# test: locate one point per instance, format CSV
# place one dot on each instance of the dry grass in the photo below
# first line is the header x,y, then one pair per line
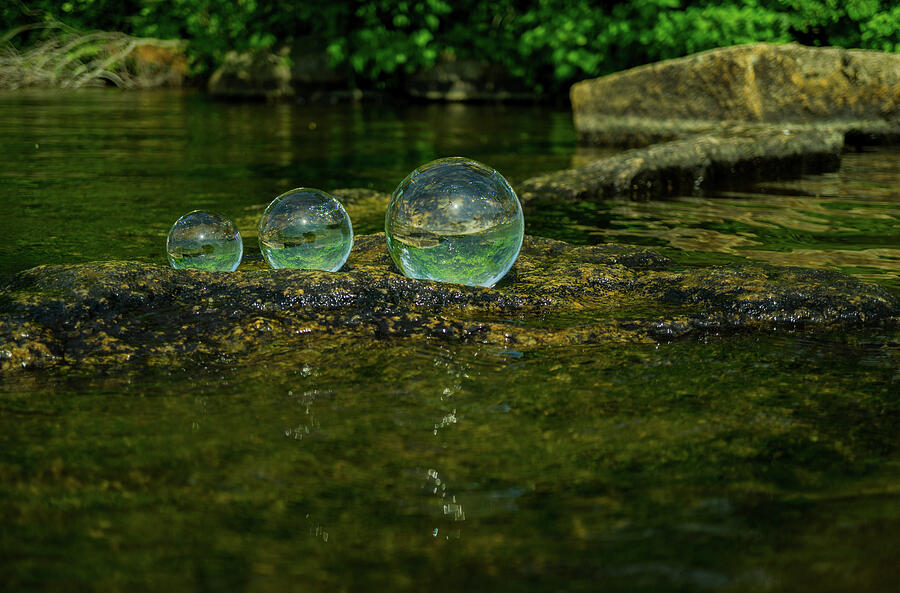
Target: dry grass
x,y
68,58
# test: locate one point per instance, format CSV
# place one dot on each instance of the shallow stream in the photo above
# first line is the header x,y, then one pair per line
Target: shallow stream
x,y
760,462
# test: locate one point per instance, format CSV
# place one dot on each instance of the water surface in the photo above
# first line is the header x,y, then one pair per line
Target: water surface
x,y
764,462
101,174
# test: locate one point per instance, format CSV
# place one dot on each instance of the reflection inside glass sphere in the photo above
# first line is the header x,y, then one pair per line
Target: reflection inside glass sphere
x,y
204,241
306,228
455,220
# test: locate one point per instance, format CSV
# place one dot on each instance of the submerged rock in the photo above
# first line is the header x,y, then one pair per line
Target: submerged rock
x,y
735,154
255,74
113,313
857,90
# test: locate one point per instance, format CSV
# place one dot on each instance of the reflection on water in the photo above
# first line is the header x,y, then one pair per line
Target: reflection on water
x,y
102,175
751,463
848,220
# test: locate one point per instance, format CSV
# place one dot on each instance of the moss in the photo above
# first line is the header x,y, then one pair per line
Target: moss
x,y
112,313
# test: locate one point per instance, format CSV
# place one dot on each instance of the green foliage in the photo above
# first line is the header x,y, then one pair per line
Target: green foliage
x,y
869,24
213,28
882,31
108,15
545,43
387,37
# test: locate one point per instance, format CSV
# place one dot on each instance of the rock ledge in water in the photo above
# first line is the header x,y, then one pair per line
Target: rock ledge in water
x,y
114,313
727,117
780,85
735,154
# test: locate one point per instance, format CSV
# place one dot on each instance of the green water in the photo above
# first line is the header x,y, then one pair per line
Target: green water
x,y
762,463
94,175
765,462
848,220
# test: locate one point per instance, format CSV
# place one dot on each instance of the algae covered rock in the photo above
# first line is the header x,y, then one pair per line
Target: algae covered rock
x,y
763,83
115,313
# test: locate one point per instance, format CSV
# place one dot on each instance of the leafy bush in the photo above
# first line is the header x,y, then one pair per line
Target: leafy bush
x,y
545,43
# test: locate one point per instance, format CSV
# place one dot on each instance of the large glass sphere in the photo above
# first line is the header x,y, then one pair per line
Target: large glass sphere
x,y
454,220
204,241
306,228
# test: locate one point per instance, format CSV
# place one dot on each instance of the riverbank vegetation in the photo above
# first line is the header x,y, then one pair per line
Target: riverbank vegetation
x,y
70,58
545,44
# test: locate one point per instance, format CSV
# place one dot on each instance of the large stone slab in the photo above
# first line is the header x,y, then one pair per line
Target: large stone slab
x,y
726,117
122,313
729,155
765,83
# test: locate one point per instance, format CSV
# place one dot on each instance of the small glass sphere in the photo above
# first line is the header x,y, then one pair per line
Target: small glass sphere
x,y
306,228
454,220
204,241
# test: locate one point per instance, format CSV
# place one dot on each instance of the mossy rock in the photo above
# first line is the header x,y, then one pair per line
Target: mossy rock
x,y
781,85
116,313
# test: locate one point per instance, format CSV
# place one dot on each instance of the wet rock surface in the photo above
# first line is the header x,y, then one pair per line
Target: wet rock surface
x,y
727,117
121,313
731,155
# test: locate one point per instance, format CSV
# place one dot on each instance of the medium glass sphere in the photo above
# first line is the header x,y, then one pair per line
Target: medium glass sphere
x,y
454,220
306,228
204,241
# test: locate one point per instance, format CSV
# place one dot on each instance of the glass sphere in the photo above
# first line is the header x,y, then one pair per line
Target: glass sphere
x,y
204,241
454,220
306,228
